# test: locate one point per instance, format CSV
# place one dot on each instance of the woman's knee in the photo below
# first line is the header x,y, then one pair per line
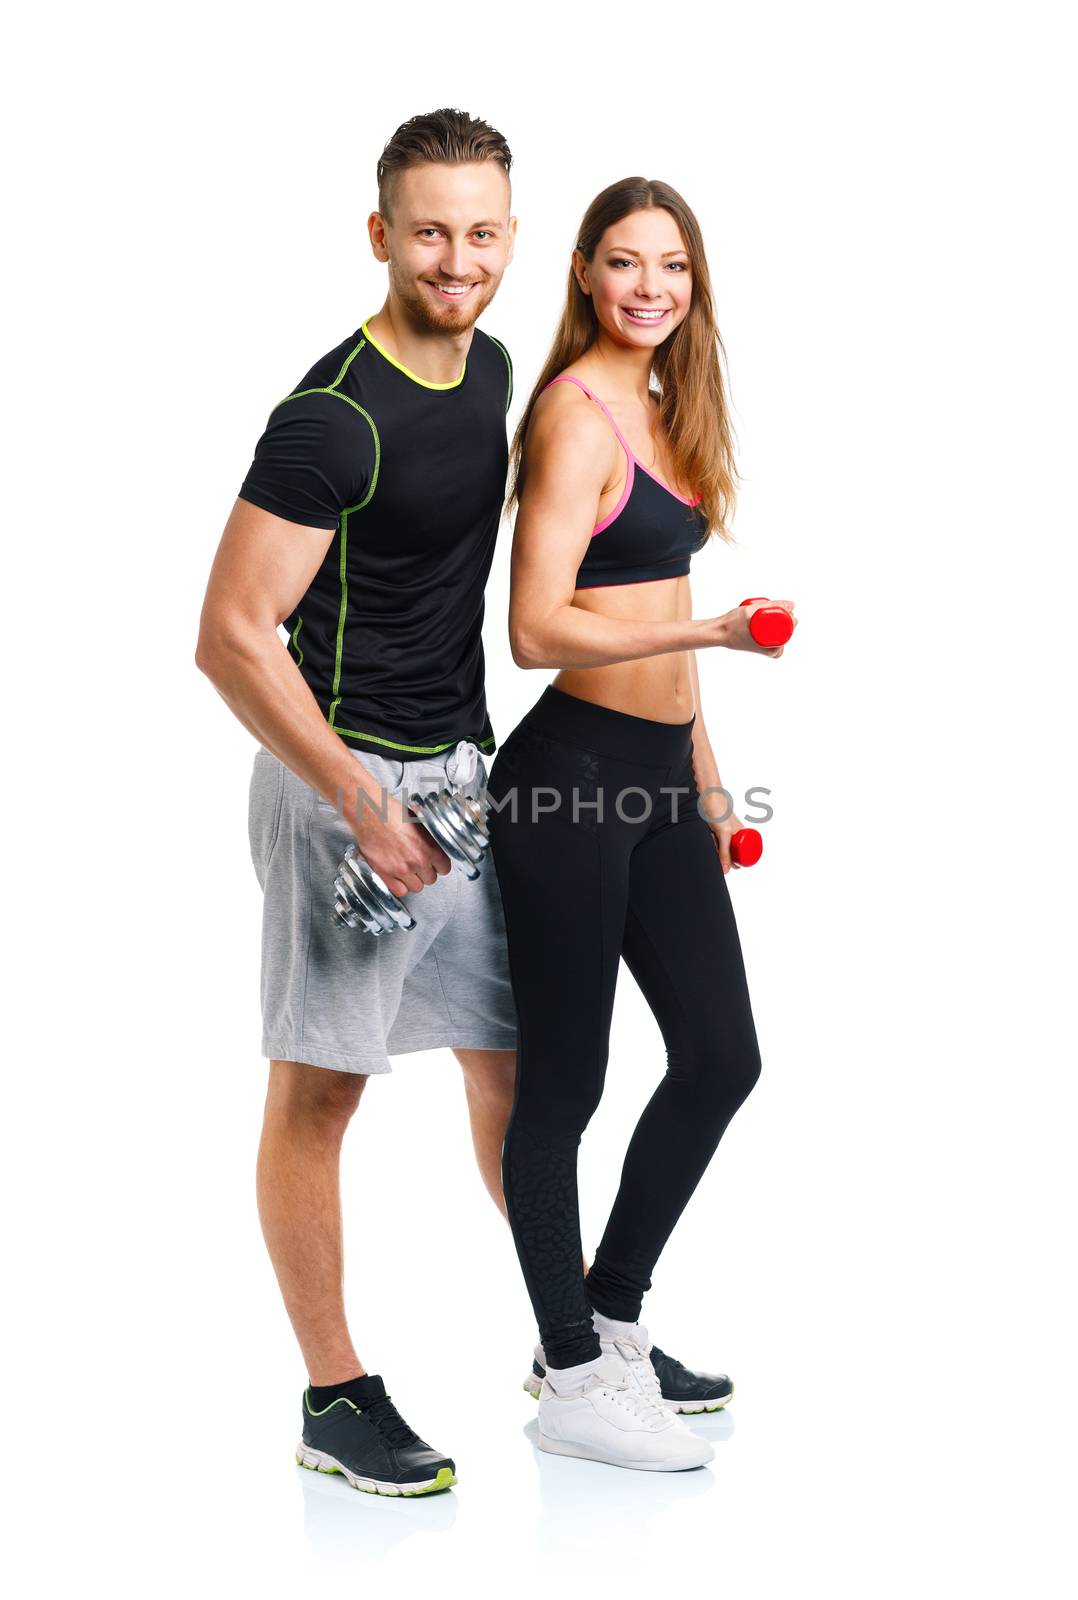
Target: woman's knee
x,y
719,1075
558,1103
747,1072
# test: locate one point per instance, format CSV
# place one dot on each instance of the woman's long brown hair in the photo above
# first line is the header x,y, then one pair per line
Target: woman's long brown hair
x,y
694,410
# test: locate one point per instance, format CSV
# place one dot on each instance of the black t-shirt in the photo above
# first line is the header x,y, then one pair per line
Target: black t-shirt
x,y
411,475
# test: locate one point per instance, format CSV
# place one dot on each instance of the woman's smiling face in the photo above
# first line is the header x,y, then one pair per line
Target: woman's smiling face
x,y
639,278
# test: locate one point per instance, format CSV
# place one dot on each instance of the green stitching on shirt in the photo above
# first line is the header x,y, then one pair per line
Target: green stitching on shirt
x,y
344,560
295,642
509,368
330,388
342,613
419,749
336,393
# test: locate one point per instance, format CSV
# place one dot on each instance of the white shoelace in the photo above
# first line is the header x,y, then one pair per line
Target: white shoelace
x,y
640,1368
632,1397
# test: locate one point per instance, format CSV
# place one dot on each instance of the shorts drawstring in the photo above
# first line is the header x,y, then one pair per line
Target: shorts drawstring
x,y
464,770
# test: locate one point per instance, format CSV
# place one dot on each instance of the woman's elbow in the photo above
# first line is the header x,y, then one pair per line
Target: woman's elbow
x,y
526,650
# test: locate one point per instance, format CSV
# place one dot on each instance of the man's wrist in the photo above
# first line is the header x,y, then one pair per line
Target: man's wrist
x,y
357,795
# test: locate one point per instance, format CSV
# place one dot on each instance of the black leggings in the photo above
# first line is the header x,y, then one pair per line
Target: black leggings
x,y
638,878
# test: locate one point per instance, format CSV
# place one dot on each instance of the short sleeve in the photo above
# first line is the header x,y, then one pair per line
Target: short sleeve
x,y
315,459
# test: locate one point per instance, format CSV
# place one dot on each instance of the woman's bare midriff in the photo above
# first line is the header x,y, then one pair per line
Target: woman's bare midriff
x,y
656,687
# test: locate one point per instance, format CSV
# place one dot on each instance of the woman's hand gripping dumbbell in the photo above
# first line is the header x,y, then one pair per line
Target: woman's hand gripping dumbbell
x,y
761,625
737,845
771,622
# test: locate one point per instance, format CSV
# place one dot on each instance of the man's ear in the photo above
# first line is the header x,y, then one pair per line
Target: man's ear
x,y
376,228
512,239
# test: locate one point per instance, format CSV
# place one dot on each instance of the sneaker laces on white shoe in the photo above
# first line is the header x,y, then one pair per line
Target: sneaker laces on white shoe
x,y
631,1397
638,1361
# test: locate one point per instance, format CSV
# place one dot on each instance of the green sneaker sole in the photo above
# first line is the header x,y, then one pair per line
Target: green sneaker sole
x,y
317,1461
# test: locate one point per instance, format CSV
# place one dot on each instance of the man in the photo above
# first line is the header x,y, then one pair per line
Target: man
x,y
367,525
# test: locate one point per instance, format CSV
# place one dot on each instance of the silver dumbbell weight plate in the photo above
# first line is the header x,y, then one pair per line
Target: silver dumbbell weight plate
x,y
453,819
363,900
456,822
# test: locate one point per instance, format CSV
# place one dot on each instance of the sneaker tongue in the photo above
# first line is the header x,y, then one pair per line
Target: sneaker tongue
x,y
366,1390
609,1370
627,1348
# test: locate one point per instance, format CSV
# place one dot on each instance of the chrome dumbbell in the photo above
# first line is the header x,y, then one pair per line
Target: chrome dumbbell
x,y
453,819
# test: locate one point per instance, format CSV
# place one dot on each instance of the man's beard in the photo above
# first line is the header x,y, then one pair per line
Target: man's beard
x,y
454,319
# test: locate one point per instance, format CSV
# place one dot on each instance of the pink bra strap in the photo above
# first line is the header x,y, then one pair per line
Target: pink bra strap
x,y
630,464
567,377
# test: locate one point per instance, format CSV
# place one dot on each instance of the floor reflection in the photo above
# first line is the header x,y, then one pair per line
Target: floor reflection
x,y
582,1507
342,1525
588,1508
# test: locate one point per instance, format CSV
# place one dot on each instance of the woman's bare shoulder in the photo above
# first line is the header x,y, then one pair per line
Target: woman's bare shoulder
x,y
565,421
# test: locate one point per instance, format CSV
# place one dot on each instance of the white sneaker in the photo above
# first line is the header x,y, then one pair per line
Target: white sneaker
x,y
611,1418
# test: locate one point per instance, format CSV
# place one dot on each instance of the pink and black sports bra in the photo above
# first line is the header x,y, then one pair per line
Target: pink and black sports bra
x,y
653,535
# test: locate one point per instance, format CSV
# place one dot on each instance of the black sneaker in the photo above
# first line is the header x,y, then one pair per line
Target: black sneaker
x,y
685,1390
682,1389
374,1448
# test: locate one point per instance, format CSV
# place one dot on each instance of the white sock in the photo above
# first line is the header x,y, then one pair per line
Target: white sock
x,y
609,1328
570,1380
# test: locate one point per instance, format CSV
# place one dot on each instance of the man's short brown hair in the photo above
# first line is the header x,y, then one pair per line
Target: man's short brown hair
x,y
447,135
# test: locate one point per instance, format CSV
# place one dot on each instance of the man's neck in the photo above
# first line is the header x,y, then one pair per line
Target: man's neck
x,y
434,357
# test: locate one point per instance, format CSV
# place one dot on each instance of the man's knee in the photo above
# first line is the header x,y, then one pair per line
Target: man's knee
x,y
316,1096
488,1072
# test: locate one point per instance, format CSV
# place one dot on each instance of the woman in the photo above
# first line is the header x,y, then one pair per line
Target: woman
x,y
600,849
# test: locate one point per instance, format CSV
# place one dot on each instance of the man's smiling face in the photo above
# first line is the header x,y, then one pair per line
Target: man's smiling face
x,y
447,240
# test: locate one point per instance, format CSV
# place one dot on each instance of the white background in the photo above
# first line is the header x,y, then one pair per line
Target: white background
x,y
879,1253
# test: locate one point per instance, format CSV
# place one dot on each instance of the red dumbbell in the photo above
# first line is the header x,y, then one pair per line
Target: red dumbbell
x,y
770,626
746,847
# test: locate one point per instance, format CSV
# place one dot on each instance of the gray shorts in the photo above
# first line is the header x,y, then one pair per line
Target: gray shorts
x,y
347,999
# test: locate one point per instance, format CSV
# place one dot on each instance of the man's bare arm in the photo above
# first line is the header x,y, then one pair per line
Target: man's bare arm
x,y
263,567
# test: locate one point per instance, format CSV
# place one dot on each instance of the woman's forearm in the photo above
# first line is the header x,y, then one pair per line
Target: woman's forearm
x,y
573,637
704,765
